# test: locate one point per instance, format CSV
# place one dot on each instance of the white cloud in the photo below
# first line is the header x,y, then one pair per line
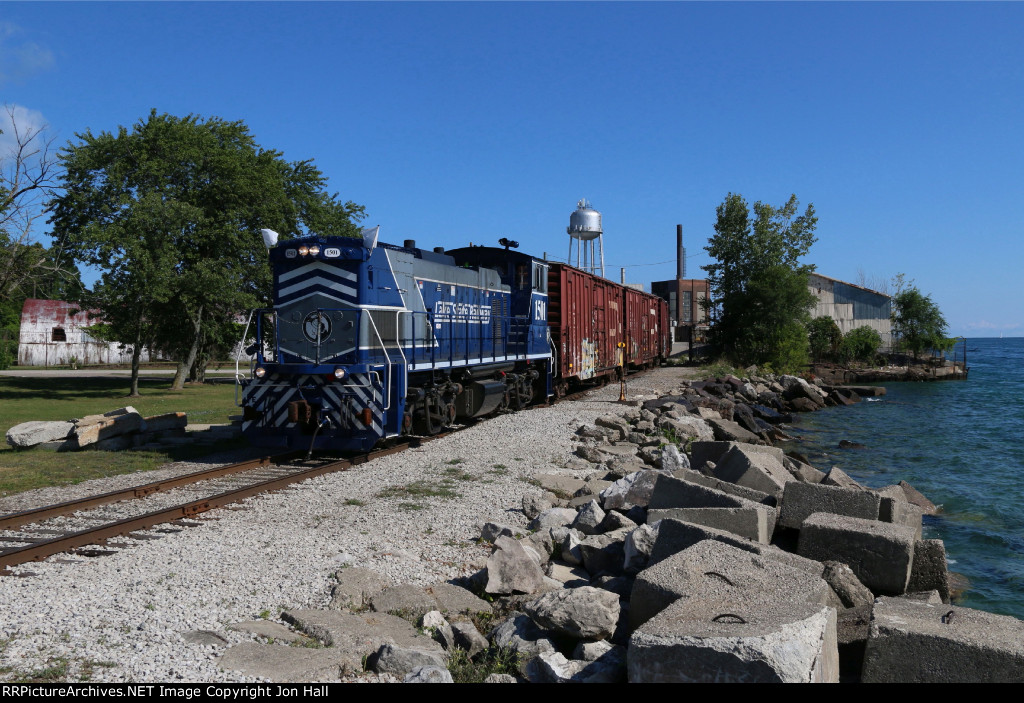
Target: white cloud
x,y
21,59
27,120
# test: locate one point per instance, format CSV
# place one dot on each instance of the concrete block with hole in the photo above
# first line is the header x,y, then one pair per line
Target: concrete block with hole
x,y
916,641
879,553
715,570
711,640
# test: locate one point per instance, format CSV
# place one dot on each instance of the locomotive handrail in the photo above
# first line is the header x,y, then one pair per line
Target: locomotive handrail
x,y
238,356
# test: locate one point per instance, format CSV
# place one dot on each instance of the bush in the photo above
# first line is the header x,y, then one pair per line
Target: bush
x,y
824,337
8,353
860,344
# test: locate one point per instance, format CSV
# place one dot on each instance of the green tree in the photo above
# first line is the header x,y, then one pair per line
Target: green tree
x,y
171,210
860,344
824,337
759,295
918,323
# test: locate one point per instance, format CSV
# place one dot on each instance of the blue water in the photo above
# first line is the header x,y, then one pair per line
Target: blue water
x,y
959,443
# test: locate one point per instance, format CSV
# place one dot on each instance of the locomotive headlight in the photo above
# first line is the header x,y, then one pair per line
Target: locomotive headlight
x,y
260,372
339,373
303,250
314,249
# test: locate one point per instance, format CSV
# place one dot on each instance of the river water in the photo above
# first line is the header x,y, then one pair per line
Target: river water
x,y
959,443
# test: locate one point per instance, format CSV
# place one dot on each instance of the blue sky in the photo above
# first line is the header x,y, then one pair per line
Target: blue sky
x,y
459,122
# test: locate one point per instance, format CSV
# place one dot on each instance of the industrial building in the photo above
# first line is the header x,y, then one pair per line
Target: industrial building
x,y
852,306
55,333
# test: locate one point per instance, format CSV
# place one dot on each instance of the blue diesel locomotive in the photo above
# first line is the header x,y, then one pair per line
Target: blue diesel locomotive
x,y
368,340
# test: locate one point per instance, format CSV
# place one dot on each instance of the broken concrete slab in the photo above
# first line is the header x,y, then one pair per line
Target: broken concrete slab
x,y
286,664
915,641
355,587
92,429
880,553
801,500
353,637
408,601
29,434
268,629
709,640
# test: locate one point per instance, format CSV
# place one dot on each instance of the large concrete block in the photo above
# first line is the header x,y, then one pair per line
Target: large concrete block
x,y
726,487
800,500
719,571
915,641
750,522
703,452
671,492
879,553
675,536
760,470
711,640
899,511
929,570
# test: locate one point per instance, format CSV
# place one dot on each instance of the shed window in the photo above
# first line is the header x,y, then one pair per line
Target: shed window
x,y
58,335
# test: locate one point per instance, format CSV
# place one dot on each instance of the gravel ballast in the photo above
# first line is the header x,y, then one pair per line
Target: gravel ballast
x,y
122,617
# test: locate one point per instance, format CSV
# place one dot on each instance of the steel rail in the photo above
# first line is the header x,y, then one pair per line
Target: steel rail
x,y
24,517
40,550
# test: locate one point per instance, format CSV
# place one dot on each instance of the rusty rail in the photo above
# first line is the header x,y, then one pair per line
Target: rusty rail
x,y
35,551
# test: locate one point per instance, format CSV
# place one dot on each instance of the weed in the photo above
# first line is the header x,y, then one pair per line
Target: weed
x,y
500,467
459,474
429,530
354,501
444,489
264,615
454,461
411,506
307,643
57,670
149,606
493,661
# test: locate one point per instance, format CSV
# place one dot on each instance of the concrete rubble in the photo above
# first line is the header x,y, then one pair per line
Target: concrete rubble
x,y
123,428
693,550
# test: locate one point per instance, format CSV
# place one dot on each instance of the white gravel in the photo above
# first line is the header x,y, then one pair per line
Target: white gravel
x,y
121,617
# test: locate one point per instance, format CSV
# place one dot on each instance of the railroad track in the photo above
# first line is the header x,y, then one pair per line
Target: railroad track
x,y
32,535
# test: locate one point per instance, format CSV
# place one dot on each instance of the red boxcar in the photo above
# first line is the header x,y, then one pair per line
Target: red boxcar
x,y
646,329
585,313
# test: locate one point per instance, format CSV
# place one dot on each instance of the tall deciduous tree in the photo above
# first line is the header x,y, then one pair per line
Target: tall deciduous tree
x,y
170,210
917,322
760,298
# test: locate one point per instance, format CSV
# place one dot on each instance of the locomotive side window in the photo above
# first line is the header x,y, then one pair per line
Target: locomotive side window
x,y
540,278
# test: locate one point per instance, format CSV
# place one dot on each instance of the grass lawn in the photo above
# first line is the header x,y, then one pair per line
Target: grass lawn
x,y
25,399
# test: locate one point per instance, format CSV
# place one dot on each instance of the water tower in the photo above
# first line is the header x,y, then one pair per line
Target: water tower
x,y
584,228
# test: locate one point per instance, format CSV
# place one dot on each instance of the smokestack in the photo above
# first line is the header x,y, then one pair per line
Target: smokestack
x,y
680,254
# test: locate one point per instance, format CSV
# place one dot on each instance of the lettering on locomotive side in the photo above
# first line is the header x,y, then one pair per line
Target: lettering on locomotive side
x,y
540,309
447,310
